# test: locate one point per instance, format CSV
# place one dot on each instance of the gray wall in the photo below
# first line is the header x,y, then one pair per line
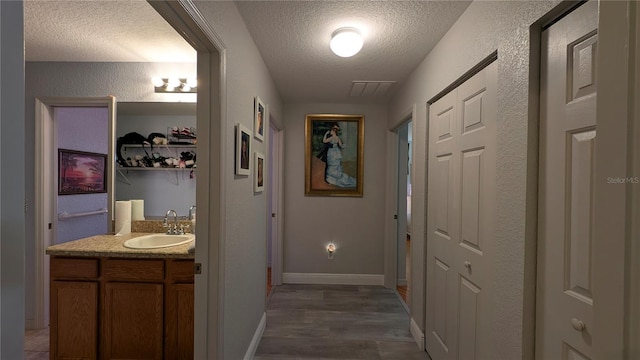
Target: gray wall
x,y
483,28
125,81
12,177
355,224
245,244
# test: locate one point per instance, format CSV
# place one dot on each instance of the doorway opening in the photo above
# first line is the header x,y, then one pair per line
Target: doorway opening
x,y
46,203
403,235
275,203
211,117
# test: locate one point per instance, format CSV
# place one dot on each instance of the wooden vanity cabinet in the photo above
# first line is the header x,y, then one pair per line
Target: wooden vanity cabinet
x,y
179,318
112,308
74,308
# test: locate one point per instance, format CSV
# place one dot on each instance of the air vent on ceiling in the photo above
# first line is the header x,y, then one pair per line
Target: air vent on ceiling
x,y
370,88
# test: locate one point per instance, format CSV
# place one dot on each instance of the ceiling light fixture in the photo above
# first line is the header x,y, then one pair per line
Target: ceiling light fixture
x,y
346,42
174,85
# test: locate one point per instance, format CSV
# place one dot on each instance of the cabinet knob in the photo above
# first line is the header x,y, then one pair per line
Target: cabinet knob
x,y
467,264
578,325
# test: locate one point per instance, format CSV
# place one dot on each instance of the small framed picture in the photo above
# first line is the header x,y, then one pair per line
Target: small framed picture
x,y
243,150
81,172
259,173
260,118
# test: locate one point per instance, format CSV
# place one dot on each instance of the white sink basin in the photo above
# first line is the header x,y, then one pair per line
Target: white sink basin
x,y
155,241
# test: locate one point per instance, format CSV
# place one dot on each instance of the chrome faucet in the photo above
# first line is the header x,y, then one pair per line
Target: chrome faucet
x,y
192,210
165,223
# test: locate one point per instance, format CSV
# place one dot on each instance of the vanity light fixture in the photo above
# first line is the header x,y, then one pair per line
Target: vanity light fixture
x,y
174,85
346,41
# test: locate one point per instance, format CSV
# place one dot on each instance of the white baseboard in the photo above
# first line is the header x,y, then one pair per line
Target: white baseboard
x,y
251,351
402,282
332,279
417,334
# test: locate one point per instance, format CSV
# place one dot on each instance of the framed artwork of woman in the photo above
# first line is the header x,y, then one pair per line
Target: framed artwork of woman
x,y
334,155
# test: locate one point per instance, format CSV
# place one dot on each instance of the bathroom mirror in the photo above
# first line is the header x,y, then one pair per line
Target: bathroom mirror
x,y
162,174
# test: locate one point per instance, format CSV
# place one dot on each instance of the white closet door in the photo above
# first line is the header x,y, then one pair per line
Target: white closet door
x,y
566,188
461,208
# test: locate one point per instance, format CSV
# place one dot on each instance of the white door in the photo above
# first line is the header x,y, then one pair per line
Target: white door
x,y
460,224
567,154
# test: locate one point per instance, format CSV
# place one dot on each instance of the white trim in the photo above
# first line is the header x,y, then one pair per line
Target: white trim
x,y
417,334
391,206
333,279
611,234
44,148
277,206
633,327
255,341
185,17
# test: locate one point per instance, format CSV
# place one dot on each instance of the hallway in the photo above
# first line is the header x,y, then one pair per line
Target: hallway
x,y
336,322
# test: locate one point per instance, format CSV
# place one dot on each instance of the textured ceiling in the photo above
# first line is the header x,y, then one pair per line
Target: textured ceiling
x,y
103,31
292,36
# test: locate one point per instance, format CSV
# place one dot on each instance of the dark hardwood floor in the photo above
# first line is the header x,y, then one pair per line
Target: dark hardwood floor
x,y
324,322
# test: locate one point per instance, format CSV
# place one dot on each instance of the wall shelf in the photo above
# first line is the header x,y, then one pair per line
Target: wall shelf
x,y
189,146
123,170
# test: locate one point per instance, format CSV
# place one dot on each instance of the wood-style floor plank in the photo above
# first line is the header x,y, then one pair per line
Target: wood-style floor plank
x,y
328,322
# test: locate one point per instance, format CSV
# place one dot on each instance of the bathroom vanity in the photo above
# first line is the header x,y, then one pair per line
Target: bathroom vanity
x,y
113,302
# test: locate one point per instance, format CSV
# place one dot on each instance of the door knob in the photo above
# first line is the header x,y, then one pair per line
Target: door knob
x,y
578,325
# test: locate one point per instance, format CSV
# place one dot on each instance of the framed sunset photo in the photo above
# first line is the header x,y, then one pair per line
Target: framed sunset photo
x,y
81,172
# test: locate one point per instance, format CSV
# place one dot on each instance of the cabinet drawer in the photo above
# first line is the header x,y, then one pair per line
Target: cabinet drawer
x,y
135,270
180,271
74,268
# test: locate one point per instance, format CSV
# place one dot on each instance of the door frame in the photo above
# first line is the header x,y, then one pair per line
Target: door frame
x,y
391,200
616,206
45,164
276,189
211,120
634,312
613,203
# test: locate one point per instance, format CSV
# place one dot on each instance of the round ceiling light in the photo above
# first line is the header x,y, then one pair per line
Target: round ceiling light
x,y
346,42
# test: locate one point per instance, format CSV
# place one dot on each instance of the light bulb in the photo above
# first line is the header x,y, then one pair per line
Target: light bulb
x,y
346,42
173,83
157,81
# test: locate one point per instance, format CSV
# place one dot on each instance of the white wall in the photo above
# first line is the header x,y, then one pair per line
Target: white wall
x,y
484,27
245,245
12,178
355,224
125,81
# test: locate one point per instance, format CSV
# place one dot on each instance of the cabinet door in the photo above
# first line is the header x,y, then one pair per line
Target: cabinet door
x,y
74,320
179,322
133,320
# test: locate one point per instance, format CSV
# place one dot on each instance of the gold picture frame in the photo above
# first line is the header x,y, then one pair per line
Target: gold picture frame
x,y
334,155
